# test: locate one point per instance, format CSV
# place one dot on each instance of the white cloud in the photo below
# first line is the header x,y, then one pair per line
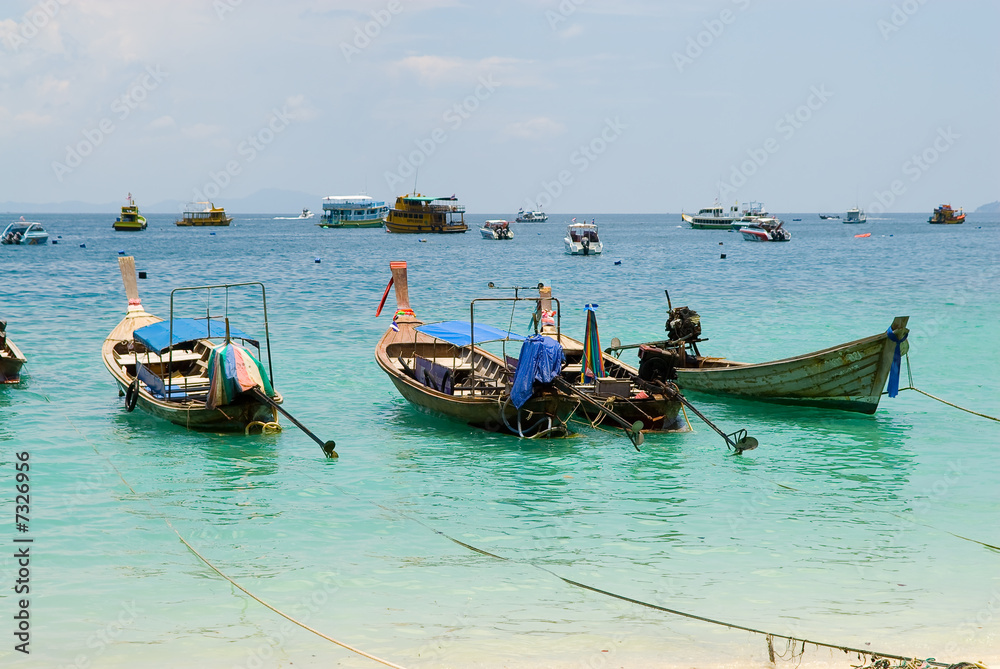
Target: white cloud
x,y
201,130
536,128
161,123
439,70
300,109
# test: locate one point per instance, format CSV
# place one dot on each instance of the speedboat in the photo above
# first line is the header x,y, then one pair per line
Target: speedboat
x,y
530,216
306,214
582,239
497,230
25,233
765,230
855,215
353,211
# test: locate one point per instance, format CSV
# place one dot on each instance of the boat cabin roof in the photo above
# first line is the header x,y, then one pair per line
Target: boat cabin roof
x,y
23,226
157,337
349,199
582,226
461,333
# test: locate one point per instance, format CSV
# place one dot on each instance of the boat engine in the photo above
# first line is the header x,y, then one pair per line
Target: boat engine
x,y
683,324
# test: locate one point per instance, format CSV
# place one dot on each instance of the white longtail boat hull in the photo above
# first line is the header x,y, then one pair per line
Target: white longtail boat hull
x,y
850,376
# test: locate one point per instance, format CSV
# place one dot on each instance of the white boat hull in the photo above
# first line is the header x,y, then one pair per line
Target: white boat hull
x,y
579,249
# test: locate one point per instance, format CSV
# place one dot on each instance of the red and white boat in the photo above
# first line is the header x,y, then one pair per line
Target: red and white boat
x,y
766,230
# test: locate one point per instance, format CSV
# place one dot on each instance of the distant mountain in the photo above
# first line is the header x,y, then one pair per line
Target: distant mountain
x,y
991,208
266,201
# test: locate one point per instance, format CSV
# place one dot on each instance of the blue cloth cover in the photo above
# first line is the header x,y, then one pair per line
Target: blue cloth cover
x,y
460,333
156,337
896,362
541,360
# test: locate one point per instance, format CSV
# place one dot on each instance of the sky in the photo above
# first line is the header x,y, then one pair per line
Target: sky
x,y
604,106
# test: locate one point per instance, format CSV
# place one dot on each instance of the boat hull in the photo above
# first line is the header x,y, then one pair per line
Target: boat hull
x,y
578,249
11,361
373,223
848,377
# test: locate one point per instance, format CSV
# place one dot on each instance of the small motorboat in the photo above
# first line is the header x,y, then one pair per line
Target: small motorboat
x,y
766,230
497,230
130,219
25,233
11,358
582,239
306,214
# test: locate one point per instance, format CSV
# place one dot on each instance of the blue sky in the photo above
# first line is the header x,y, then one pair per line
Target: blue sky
x,y
573,105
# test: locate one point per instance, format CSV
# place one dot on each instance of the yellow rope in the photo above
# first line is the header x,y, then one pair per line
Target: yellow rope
x,y
219,572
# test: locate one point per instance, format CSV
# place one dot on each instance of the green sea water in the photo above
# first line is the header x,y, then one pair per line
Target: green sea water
x,y
842,528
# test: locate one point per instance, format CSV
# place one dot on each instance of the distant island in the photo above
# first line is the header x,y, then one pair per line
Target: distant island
x,y
991,208
268,200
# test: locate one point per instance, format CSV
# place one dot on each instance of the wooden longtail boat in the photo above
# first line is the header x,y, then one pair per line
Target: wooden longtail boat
x,y
11,358
172,369
620,389
849,377
443,370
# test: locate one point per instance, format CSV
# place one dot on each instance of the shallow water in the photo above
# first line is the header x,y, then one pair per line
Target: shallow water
x,y
839,528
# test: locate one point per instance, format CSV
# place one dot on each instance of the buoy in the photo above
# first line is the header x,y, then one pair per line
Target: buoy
x,y
867,234
423,240
723,256
142,275
720,243
54,241
83,246
317,260
212,233
618,262
121,252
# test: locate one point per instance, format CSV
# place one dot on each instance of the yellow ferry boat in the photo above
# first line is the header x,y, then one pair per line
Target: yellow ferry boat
x,y
204,213
130,219
417,213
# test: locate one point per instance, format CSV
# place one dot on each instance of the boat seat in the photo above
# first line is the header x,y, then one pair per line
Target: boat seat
x,y
181,387
153,358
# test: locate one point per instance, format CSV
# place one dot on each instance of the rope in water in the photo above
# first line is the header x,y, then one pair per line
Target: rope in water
x,y
909,374
218,571
769,635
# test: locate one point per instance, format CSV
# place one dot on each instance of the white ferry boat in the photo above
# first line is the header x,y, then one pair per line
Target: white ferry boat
x,y
353,211
530,216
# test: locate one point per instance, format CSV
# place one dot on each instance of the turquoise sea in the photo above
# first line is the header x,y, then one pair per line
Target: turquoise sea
x,y
842,528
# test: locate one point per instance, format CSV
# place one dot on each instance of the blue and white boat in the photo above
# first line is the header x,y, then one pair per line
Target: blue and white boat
x,y
353,211
24,232
531,216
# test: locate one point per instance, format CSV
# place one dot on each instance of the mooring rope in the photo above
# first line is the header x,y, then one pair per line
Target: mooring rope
x,y
218,571
909,374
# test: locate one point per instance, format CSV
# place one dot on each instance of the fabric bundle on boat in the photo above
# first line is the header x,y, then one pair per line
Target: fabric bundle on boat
x,y
541,360
593,361
232,369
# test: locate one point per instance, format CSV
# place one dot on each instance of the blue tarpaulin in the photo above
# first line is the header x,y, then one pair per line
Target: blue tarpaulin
x,y
460,333
541,360
156,337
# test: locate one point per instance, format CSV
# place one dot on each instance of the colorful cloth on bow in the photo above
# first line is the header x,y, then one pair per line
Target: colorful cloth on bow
x,y
593,360
232,369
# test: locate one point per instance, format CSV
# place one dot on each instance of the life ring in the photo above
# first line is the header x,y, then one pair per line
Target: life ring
x,y
132,395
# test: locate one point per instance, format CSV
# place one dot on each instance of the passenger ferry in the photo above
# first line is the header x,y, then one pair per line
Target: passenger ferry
x,y
204,213
417,213
530,216
352,211
714,217
130,219
855,216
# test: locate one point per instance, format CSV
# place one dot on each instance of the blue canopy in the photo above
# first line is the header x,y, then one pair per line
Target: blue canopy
x,y
460,333
156,337
541,360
